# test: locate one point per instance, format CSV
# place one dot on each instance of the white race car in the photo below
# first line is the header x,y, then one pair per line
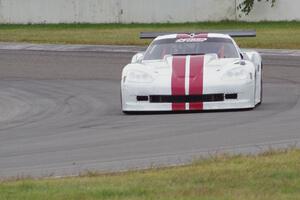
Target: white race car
x,y
192,72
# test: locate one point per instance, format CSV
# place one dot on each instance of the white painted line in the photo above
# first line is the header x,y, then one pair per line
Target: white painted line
x,y
118,49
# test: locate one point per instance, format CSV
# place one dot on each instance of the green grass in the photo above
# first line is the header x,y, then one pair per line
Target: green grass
x,y
284,35
269,176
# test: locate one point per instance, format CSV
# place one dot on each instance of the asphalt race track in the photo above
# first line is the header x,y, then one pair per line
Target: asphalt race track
x,y
60,115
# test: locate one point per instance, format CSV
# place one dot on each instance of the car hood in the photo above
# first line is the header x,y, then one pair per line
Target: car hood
x,y
164,67
212,68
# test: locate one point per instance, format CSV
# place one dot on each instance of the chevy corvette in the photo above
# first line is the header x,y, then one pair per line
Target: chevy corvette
x,y
192,72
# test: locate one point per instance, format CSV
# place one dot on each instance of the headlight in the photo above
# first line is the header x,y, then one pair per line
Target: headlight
x,y
139,76
237,74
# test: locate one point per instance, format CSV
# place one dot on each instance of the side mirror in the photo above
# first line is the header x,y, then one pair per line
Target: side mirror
x,y
137,57
244,56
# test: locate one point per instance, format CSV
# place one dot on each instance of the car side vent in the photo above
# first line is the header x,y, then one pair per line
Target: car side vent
x,y
231,96
142,98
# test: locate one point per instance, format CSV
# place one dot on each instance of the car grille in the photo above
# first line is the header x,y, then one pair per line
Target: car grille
x,y
186,98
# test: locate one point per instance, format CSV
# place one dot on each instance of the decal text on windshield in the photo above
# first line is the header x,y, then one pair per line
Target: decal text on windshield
x,y
191,40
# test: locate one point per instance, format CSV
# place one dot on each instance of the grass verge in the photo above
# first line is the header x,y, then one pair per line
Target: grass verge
x,y
282,35
272,175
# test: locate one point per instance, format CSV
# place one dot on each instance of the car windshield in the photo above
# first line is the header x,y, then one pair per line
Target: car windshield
x,y
223,47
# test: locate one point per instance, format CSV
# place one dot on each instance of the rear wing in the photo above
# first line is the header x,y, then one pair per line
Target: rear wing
x,y
234,33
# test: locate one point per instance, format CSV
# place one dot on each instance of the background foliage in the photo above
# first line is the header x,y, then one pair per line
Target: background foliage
x,y
247,5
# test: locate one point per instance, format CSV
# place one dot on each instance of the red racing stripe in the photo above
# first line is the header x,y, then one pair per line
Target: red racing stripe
x,y
196,80
178,80
183,36
201,35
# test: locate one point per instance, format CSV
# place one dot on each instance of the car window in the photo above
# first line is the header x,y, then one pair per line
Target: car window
x,y
223,47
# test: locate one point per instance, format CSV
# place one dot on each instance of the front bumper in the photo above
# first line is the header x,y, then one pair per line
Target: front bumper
x,y
244,100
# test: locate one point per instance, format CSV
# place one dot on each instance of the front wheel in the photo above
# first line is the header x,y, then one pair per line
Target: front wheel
x,y
121,99
261,87
261,93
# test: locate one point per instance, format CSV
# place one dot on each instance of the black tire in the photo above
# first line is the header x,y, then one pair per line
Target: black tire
x,y
126,112
261,94
121,101
261,87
